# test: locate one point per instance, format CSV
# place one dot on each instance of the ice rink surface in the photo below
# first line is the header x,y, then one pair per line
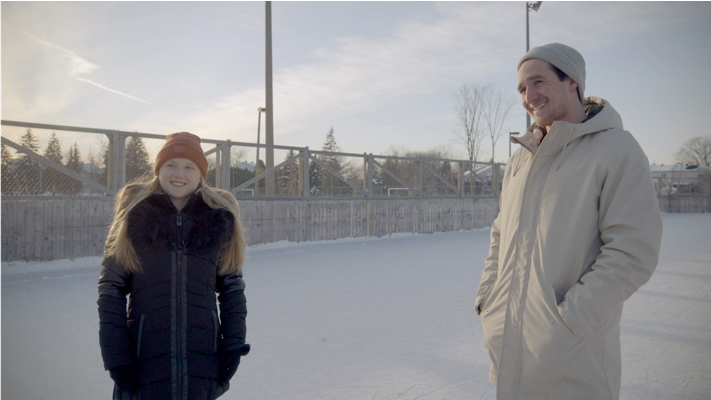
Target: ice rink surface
x,y
366,318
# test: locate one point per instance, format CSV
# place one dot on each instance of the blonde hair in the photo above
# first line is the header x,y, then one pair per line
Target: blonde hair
x,y
119,245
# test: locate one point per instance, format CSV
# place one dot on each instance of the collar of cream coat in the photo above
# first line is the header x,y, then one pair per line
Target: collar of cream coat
x,y
601,117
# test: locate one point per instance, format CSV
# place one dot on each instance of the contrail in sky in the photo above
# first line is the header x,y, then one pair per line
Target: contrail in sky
x,y
78,66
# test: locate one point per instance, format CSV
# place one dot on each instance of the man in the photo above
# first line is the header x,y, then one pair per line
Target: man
x,y
578,233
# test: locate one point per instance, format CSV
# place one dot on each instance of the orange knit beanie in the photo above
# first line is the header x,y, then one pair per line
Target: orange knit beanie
x,y
182,145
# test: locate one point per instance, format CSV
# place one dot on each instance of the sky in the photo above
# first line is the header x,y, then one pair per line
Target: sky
x,y
382,74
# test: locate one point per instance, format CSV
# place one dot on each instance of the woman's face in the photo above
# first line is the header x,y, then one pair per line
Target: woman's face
x,y
179,178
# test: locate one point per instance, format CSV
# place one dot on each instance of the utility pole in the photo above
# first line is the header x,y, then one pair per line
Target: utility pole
x,y
269,120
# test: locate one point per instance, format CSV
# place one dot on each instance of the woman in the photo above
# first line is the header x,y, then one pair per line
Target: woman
x,y
174,243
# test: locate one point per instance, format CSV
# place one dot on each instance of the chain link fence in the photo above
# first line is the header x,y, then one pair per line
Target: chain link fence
x,y
52,160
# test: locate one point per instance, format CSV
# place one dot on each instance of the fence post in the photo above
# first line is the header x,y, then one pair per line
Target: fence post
x,y
122,161
495,178
218,163
300,178
111,162
116,174
462,185
305,183
369,193
369,176
225,165
365,173
420,180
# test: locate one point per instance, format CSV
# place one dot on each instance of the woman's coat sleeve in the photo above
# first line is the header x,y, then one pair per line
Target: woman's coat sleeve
x,y
114,282
233,313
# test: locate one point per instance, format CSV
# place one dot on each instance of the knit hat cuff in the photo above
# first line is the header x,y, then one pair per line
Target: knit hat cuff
x,y
182,145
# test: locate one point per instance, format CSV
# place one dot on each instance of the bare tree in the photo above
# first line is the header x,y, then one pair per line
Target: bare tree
x,y
408,170
695,151
469,109
497,107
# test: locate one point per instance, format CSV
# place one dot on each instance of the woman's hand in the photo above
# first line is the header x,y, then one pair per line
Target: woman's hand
x,y
124,377
228,366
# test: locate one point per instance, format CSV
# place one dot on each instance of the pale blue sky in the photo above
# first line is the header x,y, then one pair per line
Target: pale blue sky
x,y
381,73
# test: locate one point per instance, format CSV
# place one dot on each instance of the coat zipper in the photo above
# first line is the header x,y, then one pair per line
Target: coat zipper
x,y
179,311
216,330
140,336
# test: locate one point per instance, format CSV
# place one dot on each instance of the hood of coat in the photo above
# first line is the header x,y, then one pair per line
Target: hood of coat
x,y
600,117
153,222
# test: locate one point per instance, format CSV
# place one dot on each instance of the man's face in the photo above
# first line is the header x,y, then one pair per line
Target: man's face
x,y
543,95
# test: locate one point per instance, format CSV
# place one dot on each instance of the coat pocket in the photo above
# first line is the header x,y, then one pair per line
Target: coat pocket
x,y
216,330
140,336
481,300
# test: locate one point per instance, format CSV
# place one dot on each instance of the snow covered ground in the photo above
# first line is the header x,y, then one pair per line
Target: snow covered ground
x,y
366,318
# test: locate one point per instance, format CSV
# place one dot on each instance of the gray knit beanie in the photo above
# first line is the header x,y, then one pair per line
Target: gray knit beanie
x,y
563,57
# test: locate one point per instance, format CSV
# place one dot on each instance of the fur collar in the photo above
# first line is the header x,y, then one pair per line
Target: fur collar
x,y
153,222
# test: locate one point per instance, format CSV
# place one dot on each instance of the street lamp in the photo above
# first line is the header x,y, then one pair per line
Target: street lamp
x,y
511,134
260,110
269,121
530,6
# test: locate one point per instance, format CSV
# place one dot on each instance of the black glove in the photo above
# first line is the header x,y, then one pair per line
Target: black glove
x,y
124,377
228,366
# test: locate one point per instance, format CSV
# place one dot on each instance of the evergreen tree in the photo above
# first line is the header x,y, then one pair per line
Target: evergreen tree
x,y
315,177
330,145
333,161
137,163
7,183
74,163
289,176
53,152
28,170
51,177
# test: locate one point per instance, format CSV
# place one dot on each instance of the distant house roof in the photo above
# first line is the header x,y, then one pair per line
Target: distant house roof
x,y
92,168
677,168
485,172
249,166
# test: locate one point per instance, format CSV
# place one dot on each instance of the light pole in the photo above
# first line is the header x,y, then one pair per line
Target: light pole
x,y
260,110
511,134
269,121
530,6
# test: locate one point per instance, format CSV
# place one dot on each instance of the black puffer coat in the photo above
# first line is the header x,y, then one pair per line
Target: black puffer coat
x,y
172,336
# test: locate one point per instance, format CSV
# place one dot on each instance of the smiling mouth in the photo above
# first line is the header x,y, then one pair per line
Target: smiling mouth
x,y
179,184
539,107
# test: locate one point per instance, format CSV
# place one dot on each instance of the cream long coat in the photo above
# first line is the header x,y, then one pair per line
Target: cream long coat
x,y
578,233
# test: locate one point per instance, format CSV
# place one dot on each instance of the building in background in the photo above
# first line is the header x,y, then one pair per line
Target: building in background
x,y
679,179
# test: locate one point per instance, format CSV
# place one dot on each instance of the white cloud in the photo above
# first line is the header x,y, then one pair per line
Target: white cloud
x,y
78,66
364,74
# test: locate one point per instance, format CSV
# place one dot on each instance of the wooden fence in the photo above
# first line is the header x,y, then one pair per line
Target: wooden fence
x,y
42,229
71,227
685,204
